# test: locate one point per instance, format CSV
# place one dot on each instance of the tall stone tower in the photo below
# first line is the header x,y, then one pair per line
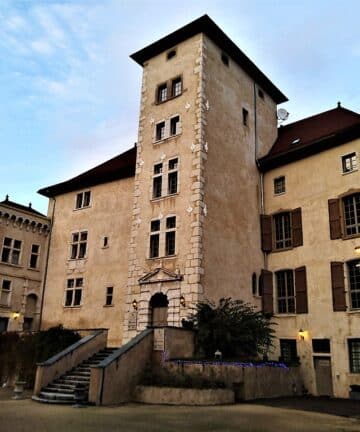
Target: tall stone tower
x,y
207,113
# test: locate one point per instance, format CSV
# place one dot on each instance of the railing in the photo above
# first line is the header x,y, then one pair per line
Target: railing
x,y
114,379
70,357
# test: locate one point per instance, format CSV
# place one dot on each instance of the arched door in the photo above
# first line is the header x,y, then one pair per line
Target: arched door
x,y
159,310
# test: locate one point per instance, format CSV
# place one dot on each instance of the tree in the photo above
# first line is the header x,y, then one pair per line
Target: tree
x,y
235,328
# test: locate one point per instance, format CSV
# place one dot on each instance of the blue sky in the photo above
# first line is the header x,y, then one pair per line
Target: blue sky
x,y
70,93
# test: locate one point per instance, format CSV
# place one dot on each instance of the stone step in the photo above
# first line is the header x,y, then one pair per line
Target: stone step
x,y
57,396
54,389
51,401
77,377
70,381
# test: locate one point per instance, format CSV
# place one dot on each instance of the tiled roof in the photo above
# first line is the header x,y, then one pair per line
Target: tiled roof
x,y
121,166
21,207
206,25
312,135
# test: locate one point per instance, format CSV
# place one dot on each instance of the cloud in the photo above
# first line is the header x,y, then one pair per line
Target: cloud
x,y
41,46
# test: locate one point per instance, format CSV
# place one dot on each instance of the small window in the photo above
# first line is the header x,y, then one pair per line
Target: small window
x,y
34,257
109,296
283,235
154,238
175,125
279,185
171,54
83,200
349,163
105,242
5,293
160,131
173,176
253,283
73,292
354,283
260,94
321,345
288,350
170,236
354,355
78,245
157,181
162,93
285,291
176,87
245,116
225,59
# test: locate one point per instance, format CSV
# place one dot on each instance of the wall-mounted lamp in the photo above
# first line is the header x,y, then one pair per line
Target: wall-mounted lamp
x,y
15,315
302,334
135,304
357,250
182,301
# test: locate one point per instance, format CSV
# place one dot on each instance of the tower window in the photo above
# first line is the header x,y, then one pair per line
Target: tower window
x,y
160,131
162,93
171,54
245,116
225,59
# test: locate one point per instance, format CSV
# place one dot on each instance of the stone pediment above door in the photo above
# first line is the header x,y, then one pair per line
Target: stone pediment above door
x,y
160,275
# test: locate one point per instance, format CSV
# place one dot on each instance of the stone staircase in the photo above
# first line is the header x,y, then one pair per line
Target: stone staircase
x,y
61,391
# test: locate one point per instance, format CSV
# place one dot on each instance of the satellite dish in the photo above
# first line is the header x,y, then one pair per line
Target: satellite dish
x,y
282,114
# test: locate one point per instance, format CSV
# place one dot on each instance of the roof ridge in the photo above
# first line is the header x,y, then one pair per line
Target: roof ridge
x,y
313,116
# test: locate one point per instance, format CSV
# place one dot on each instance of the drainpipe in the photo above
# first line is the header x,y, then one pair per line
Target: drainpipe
x,y
261,175
46,264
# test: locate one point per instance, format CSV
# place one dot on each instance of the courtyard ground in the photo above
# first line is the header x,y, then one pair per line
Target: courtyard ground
x,y
28,416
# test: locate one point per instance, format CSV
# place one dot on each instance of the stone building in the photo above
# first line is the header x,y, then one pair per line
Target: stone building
x,y
23,238
140,239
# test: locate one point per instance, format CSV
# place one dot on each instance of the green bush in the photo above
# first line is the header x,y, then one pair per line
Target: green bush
x,y
19,353
235,328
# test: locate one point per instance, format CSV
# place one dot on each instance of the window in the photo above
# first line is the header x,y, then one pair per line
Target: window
x,y
349,163
162,93
354,283
157,180
170,236
321,346
279,185
171,54
225,59
73,292
105,242
78,245
34,256
176,87
352,214
5,292
282,225
175,125
354,355
11,251
173,176
154,238
285,291
160,131
3,324
109,296
288,351
253,283
260,94
245,116
83,200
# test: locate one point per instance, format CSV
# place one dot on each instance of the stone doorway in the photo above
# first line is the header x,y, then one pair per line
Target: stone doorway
x,y
159,310
323,375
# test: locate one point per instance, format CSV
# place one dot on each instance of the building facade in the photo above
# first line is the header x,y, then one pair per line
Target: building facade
x,y
23,238
140,239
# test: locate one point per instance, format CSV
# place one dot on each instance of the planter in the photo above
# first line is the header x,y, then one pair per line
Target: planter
x,y
183,396
19,389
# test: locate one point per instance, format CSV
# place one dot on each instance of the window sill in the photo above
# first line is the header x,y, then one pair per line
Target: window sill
x,y
285,315
282,250
162,257
160,141
105,247
11,265
3,306
107,306
349,172
76,259
169,98
34,269
164,197
278,194
353,311
82,208
349,237
72,307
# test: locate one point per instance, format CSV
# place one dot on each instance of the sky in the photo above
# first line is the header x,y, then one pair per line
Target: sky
x,y
70,93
